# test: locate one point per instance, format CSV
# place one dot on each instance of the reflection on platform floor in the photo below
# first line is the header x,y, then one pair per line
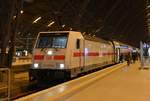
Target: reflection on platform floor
x,y
63,91
126,84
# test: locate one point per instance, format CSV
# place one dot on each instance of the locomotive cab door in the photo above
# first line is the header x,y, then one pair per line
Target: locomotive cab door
x,y
80,47
117,52
77,60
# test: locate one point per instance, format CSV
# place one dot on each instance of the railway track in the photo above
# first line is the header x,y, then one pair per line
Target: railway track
x,y
22,87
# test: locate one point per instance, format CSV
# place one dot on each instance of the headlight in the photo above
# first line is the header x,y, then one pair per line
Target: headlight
x,y
36,65
49,53
62,66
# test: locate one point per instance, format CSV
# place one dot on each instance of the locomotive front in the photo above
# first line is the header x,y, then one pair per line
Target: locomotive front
x,y
49,55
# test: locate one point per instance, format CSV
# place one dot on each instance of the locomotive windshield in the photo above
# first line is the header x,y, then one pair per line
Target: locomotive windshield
x,y
52,40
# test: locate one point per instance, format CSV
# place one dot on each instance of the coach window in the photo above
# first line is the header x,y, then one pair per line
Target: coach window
x,y
78,44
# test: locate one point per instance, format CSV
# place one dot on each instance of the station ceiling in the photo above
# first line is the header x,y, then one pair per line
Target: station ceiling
x,y
122,20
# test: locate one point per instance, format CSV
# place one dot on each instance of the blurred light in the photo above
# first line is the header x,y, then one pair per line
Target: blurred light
x,y
36,65
35,21
148,14
62,66
62,88
18,54
93,35
21,11
19,33
50,24
86,51
49,52
26,52
148,7
63,26
104,46
14,17
70,29
134,51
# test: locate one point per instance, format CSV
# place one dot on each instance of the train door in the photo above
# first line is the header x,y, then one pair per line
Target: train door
x,y
80,46
76,62
117,53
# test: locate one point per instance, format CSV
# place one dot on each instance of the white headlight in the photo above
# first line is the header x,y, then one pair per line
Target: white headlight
x,y
36,65
49,52
62,66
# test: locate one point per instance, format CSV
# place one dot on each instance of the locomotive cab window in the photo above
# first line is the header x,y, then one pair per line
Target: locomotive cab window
x,y
78,44
52,40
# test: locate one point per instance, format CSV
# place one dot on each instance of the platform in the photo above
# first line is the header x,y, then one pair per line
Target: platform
x,y
119,83
126,84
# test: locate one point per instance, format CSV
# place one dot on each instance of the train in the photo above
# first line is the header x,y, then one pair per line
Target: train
x,y
66,54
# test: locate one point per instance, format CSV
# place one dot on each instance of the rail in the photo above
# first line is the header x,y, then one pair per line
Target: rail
x,y
67,89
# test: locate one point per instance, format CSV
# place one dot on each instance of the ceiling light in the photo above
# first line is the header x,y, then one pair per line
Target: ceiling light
x,y
148,14
14,17
21,11
35,21
63,26
51,23
148,7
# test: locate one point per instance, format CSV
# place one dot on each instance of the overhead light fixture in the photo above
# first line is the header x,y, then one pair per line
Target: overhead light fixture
x,y
148,7
148,14
50,24
63,26
35,21
14,17
21,11
94,35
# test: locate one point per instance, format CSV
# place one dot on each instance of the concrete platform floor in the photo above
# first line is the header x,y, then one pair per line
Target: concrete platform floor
x,y
125,84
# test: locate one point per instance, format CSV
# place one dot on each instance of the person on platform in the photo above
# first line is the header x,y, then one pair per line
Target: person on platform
x,y
128,59
121,58
134,57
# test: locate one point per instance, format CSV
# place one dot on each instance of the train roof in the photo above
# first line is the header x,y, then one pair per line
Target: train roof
x,y
96,39
58,32
118,43
86,37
